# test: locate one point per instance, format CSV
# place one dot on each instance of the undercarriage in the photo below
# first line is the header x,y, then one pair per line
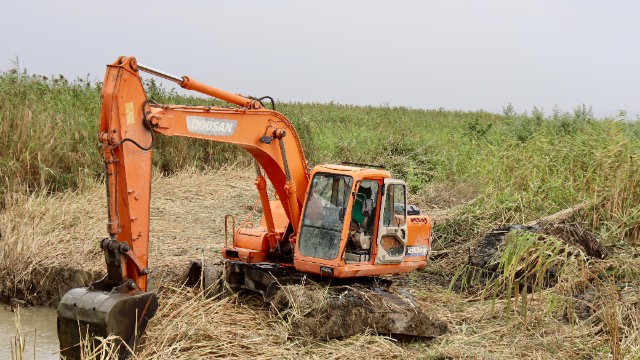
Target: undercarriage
x,y
318,307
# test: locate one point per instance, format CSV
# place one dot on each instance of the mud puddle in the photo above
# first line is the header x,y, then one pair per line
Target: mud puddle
x,y
37,325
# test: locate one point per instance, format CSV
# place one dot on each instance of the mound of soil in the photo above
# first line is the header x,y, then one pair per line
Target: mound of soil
x,y
576,235
485,253
338,312
322,310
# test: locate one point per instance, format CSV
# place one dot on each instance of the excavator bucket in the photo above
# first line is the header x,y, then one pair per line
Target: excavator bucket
x,y
85,315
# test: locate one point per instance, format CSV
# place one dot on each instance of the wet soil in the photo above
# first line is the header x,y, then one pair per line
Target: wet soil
x,y
337,312
47,286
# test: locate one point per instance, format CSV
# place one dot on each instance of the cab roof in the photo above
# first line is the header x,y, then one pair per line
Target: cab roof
x,y
356,172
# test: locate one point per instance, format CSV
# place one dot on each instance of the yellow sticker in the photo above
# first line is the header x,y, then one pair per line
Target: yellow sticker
x,y
129,109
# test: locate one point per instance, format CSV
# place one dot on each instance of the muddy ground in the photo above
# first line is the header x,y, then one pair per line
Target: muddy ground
x,y
50,244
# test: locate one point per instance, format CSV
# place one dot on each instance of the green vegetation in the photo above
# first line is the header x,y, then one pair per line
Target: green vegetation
x,y
484,169
522,166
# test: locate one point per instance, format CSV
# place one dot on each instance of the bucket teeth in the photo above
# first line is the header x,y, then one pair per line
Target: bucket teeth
x,y
85,314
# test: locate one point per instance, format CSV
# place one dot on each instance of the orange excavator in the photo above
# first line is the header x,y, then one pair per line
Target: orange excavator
x,y
347,221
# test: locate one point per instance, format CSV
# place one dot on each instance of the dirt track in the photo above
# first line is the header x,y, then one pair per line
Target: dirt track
x,y
187,215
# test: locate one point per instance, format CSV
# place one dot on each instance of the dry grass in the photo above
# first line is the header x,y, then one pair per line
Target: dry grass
x,y
439,199
19,342
187,222
191,326
187,215
42,234
477,334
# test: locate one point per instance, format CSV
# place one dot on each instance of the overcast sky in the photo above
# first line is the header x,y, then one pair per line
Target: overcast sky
x,y
465,55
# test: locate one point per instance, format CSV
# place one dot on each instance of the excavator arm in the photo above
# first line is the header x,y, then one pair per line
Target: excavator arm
x,y
129,122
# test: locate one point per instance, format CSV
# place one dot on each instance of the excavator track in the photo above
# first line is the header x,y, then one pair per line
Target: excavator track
x,y
321,308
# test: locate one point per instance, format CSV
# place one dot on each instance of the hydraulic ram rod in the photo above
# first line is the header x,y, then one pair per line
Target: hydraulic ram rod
x,y
190,84
160,73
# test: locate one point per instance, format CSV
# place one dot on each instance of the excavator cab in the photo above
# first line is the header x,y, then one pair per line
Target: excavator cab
x,y
354,220
326,217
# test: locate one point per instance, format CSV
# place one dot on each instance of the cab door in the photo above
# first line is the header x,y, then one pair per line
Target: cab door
x,y
392,226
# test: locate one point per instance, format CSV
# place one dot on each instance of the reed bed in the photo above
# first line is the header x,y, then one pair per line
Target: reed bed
x,y
473,171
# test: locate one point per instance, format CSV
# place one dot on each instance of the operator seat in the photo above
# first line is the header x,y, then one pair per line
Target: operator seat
x,y
356,214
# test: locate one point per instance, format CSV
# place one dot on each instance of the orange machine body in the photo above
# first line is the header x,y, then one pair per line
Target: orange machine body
x,y
251,244
417,242
128,124
335,221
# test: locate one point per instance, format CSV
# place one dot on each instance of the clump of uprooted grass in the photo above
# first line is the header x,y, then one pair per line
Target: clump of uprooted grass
x,y
527,263
541,280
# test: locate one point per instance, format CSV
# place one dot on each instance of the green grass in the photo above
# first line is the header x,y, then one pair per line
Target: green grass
x,y
523,166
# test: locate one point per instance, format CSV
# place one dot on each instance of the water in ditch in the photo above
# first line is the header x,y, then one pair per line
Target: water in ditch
x,y
37,325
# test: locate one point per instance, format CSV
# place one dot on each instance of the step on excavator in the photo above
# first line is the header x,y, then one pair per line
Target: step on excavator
x,y
344,225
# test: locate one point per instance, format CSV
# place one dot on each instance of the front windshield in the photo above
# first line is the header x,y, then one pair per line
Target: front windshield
x,y
324,215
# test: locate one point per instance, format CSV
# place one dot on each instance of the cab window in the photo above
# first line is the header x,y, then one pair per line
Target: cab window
x,y
323,217
395,204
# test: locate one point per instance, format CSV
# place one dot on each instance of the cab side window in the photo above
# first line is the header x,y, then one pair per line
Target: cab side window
x,y
395,204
